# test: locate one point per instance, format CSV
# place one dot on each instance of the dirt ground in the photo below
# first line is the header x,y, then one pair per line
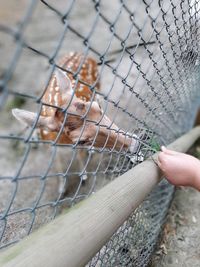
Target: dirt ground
x,y
180,241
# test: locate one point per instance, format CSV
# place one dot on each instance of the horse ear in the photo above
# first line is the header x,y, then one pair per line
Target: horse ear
x,y
29,118
63,82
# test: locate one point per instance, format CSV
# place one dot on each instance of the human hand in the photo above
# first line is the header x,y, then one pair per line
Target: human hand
x,y
179,168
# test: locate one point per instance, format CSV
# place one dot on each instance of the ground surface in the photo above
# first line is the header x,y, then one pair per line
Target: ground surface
x,y
180,244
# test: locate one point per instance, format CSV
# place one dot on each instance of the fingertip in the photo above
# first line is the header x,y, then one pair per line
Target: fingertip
x,y
163,149
159,163
168,151
160,155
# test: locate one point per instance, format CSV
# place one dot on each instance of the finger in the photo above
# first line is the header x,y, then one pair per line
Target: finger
x,y
161,156
163,148
162,160
168,151
161,166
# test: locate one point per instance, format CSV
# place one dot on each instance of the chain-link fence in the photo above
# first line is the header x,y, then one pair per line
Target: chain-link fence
x,y
95,87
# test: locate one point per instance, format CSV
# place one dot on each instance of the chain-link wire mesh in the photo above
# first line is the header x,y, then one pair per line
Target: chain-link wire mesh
x,y
140,90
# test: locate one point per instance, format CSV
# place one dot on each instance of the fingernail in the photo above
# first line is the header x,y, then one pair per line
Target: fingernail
x,y
163,148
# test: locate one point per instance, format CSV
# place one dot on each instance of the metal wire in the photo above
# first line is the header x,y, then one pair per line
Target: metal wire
x,y
147,54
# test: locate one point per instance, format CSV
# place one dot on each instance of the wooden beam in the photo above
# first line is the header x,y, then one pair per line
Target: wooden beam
x,y
72,239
